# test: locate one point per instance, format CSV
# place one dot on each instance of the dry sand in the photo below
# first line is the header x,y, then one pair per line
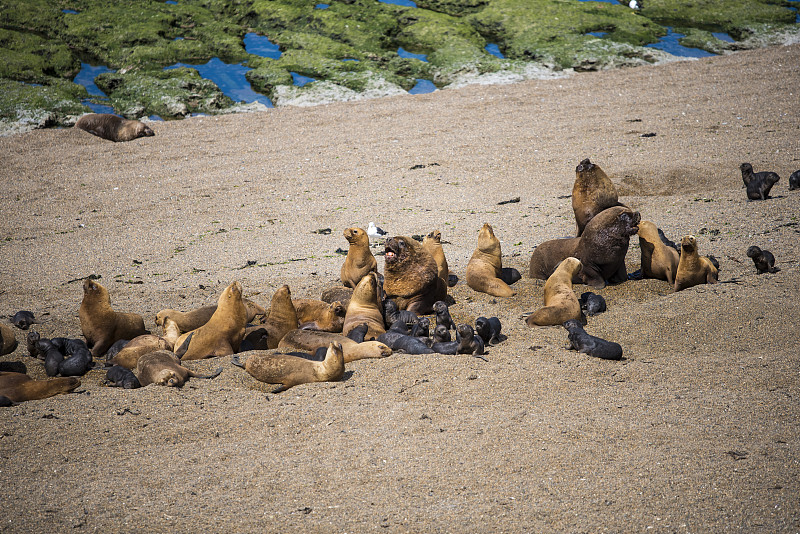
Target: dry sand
x,y
696,430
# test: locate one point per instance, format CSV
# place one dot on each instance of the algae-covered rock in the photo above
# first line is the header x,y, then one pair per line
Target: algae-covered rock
x,y
25,107
28,57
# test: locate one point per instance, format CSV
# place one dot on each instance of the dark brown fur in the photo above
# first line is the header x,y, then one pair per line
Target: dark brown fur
x,y
20,387
113,128
411,276
592,192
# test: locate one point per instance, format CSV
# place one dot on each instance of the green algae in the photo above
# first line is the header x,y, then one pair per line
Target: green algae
x,y
24,106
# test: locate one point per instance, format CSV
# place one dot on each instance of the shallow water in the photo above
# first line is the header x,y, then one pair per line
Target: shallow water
x,y
85,77
300,80
669,43
422,87
260,45
404,3
410,55
722,36
493,49
230,80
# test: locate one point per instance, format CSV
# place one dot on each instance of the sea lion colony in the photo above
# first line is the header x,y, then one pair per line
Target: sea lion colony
x,y
371,315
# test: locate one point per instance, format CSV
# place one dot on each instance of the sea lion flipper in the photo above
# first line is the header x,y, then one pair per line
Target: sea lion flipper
x,y
184,346
280,389
215,374
236,361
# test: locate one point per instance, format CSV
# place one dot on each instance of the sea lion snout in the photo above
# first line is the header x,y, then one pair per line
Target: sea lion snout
x,y
584,166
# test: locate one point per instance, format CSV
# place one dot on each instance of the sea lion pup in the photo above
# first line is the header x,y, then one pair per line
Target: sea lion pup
x,y
359,261
281,316
222,334
592,192
441,334
19,387
163,368
693,269
289,370
433,244
442,314
794,181
592,304
758,184
320,315
560,302
255,338
311,340
121,377
358,333
23,319
8,341
658,260
112,127
581,341
365,307
192,320
411,276
391,313
489,329
399,339
763,259
101,325
601,249
470,343
77,359
485,268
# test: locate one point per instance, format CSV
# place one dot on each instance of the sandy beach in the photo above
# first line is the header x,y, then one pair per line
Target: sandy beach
x,y
697,429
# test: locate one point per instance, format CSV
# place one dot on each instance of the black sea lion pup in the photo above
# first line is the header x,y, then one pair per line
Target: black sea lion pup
x,y
399,339
441,334
359,261
112,127
592,304
78,359
442,313
794,181
32,340
581,341
411,276
759,183
8,340
763,259
256,338
693,269
23,319
163,368
358,333
120,377
101,325
469,342
391,314
592,192
289,370
488,329
19,387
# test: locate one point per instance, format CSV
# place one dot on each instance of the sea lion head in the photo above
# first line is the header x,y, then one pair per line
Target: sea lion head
x,y
93,290
356,236
67,384
465,331
439,307
435,236
584,166
746,168
571,265
573,325
629,222
367,289
689,244
338,309
487,242
143,130
753,252
231,293
167,377
397,250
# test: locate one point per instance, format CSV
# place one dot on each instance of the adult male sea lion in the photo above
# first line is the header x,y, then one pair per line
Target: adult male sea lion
x,y
592,192
658,260
320,315
163,368
485,267
560,302
411,276
693,269
112,127
359,261
365,307
8,341
101,325
290,370
311,340
222,334
19,387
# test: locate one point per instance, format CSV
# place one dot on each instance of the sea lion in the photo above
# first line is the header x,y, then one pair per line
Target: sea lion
x,y
601,249
121,377
433,244
441,334
164,369
592,304
581,341
255,338
359,261
101,325
358,333
469,342
129,356
763,259
560,302
411,276
281,316
692,268
290,370
442,314
320,315
194,319
311,340
77,360
659,260
337,293
8,341
114,349
19,387
391,313
489,329
366,307
23,319
399,339
592,193
794,181
112,127
222,334
485,267
758,183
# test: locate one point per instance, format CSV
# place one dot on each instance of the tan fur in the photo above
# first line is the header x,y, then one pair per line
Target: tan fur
x,y
113,128
137,347
592,192
359,261
320,315
658,260
192,320
311,340
19,387
412,279
560,302
8,340
281,316
486,265
289,370
365,307
163,368
433,244
693,269
101,325
223,333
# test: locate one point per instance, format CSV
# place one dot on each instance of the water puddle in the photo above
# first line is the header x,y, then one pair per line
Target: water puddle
x,y
259,45
599,35
299,80
409,55
86,78
404,3
722,36
669,43
322,6
493,49
69,11
230,80
422,87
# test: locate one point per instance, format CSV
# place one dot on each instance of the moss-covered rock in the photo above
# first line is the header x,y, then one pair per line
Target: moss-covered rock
x,y
731,16
25,107
30,58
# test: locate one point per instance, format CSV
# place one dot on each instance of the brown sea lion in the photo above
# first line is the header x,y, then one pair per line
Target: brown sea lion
x,y
19,387
592,192
601,249
192,320
560,302
366,307
411,276
320,315
359,260
289,370
281,316
112,127
137,347
485,267
433,244
693,269
658,260
222,334
338,293
101,325
311,340
163,368
8,341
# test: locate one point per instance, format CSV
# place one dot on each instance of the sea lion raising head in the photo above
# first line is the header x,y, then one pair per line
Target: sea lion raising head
x,y
485,271
359,260
592,192
560,302
693,269
758,184
101,325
